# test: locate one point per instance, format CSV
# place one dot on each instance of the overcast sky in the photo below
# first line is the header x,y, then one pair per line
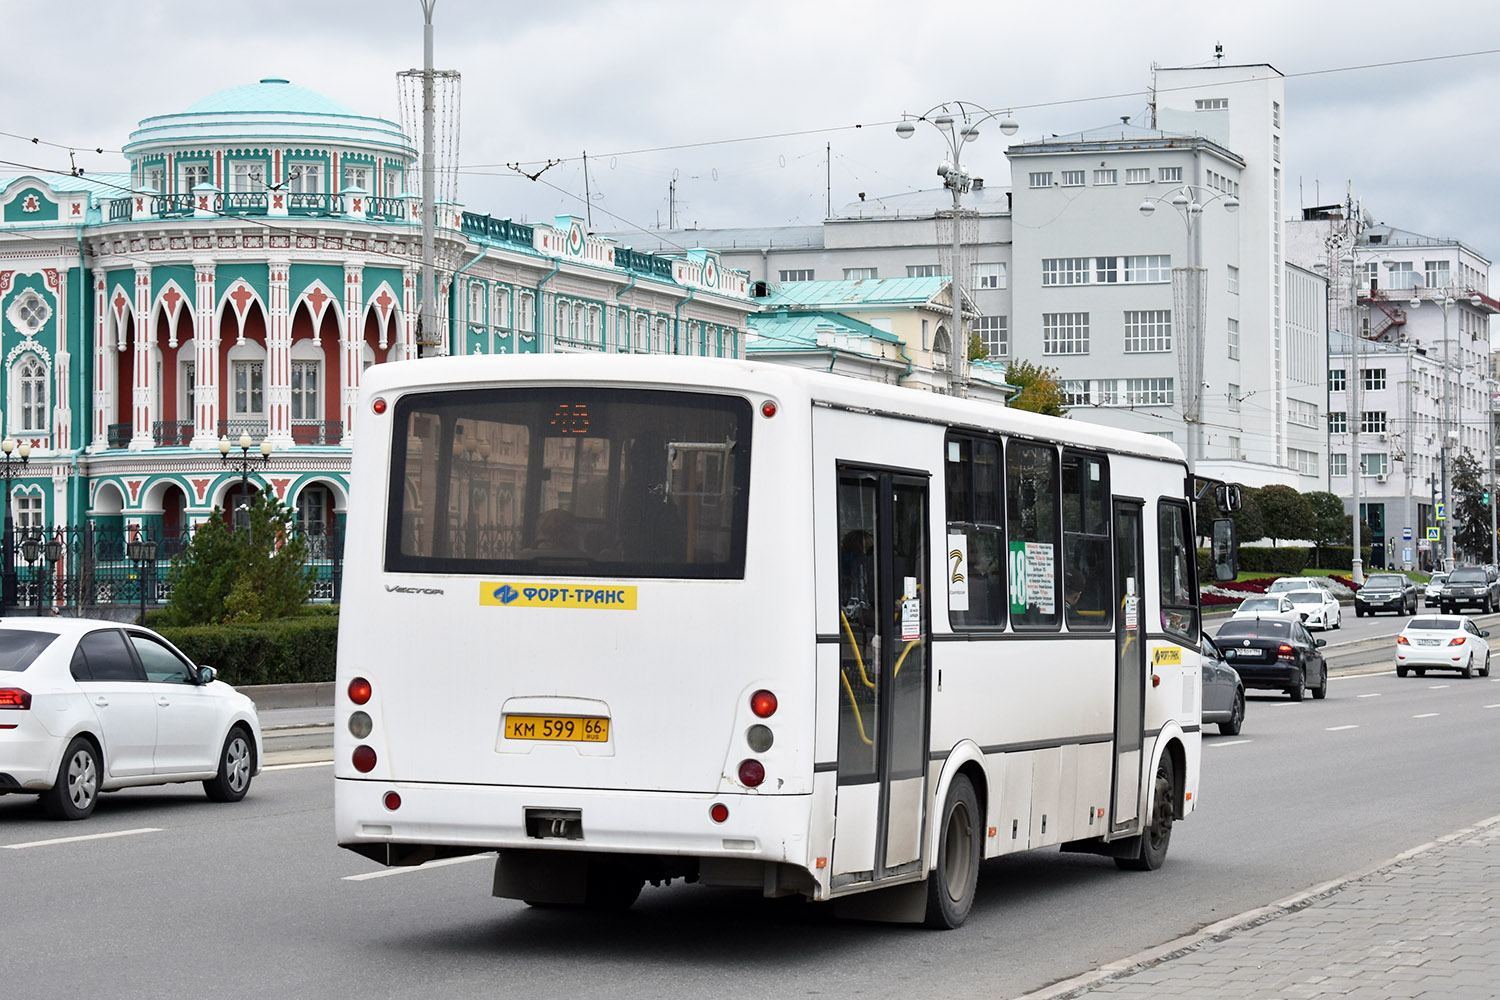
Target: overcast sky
x,y
552,79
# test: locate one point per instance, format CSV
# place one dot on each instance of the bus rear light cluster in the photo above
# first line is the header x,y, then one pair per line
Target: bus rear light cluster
x,y
392,801
763,704
360,725
378,406
719,812
752,773
15,698
768,409
364,759
360,690
760,738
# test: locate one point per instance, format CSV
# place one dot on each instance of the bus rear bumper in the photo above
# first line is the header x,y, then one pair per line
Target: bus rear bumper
x,y
435,820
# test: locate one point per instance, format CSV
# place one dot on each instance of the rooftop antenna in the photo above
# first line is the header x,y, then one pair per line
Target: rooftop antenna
x,y
1218,53
588,198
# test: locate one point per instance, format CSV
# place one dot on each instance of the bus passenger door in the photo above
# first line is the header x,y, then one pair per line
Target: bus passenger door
x,y
1130,669
884,619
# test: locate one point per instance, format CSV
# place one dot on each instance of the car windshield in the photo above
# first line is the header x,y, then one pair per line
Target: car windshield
x,y
1260,604
1385,581
1469,576
1435,624
19,647
1437,578
1306,597
1281,585
1270,628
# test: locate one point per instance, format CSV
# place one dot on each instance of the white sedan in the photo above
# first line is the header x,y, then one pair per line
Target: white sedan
x,y
1266,606
1319,608
1443,642
89,706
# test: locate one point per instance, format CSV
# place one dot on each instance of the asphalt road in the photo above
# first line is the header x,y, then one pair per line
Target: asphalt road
x,y
181,897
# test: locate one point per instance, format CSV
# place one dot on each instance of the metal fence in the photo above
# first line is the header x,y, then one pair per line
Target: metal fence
x,y
79,567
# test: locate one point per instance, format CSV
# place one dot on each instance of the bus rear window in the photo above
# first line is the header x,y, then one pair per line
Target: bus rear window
x,y
579,481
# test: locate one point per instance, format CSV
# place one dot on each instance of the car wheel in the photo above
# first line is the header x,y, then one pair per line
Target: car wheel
x,y
1401,670
1468,671
1321,691
1359,613
1299,690
1484,671
950,887
1420,671
1151,845
236,767
76,790
1236,716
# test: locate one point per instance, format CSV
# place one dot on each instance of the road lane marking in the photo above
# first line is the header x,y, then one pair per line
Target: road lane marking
x,y
1230,743
1339,729
293,767
1375,694
1492,706
419,868
1425,715
75,840
1437,687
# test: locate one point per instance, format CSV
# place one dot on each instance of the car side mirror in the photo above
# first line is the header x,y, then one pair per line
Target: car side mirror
x,y
1485,634
206,674
1320,642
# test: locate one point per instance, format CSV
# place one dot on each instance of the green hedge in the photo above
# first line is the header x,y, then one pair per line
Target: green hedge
x,y
1283,560
286,651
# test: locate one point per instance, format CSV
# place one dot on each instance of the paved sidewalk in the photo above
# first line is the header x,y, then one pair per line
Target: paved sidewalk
x,y
1420,925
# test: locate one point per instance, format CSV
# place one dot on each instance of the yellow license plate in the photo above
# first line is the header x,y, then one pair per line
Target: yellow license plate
x,y
556,727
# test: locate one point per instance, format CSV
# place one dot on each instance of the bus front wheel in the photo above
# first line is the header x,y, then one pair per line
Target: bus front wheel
x,y
1151,849
950,887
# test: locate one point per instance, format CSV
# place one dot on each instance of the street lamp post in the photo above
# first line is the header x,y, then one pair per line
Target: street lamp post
x,y
11,468
1445,302
244,461
958,122
1190,303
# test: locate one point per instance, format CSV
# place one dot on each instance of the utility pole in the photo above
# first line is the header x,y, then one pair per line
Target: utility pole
x,y
427,315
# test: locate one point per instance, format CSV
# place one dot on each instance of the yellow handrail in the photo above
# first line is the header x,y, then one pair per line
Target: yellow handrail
x,y
854,645
858,719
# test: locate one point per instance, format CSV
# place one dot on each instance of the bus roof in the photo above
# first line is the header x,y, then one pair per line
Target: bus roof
x,y
783,381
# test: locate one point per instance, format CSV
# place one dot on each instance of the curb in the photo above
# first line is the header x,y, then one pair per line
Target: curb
x,y
1076,986
270,696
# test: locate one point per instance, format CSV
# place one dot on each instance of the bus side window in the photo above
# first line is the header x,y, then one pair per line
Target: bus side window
x,y
1031,495
1086,551
1177,559
976,537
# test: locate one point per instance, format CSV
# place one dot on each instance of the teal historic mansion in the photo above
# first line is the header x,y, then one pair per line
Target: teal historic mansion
x,y
261,253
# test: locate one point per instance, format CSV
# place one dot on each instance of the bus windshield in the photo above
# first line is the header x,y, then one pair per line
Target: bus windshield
x,y
569,482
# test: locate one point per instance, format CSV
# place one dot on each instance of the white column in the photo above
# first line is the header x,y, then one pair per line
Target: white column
x,y
279,358
409,314
103,385
205,356
352,346
142,378
62,412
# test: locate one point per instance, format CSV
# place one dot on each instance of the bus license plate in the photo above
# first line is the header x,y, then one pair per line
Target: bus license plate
x,y
556,727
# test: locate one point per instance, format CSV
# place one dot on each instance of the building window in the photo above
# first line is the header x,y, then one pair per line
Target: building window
x,y
860,273
1072,178
1402,274
1138,175
526,315
1065,271
1302,413
1148,330
1103,178
1148,392
1373,378
642,333
1041,179
305,178
1148,269
30,376
1236,453
249,388
1065,333
30,312
992,331
1211,104
1234,398
153,178
989,275
1276,148
1276,114
247,177
357,177
1338,464
1075,391
392,183
1234,280
1436,273
501,316
305,390
27,511
194,174
1305,462
1372,422
1374,465
1336,380
1232,338
1338,422
923,270
799,274
1169,175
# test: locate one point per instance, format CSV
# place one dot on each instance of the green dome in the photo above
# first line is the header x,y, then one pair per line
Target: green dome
x,y
271,94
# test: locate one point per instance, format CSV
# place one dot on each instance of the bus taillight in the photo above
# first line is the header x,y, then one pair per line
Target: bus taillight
x,y
763,704
364,759
752,772
359,690
760,738
392,801
719,812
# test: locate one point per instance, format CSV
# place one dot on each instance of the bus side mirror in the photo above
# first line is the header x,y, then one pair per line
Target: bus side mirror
x,y
1227,496
1226,551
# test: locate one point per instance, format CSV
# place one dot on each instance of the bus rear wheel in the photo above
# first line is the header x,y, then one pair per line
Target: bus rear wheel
x,y
1153,842
950,887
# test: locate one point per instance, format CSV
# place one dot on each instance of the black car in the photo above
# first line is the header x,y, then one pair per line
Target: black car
x,y
1223,691
1392,592
1470,586
1275,653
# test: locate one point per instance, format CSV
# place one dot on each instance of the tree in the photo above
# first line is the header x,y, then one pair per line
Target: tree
x,y
1286,513
1041,392
1330,525
1468,513
254,573
1249,522
977,350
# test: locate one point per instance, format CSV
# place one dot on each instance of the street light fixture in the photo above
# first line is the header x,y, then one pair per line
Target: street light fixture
x,y
1190,301
1445,302
142,552
11,468
958,122
244,461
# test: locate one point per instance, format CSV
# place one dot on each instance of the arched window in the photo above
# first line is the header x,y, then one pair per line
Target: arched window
x,y
941,350
29,390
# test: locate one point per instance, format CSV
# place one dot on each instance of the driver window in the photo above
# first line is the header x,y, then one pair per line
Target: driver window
x,y
162,665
